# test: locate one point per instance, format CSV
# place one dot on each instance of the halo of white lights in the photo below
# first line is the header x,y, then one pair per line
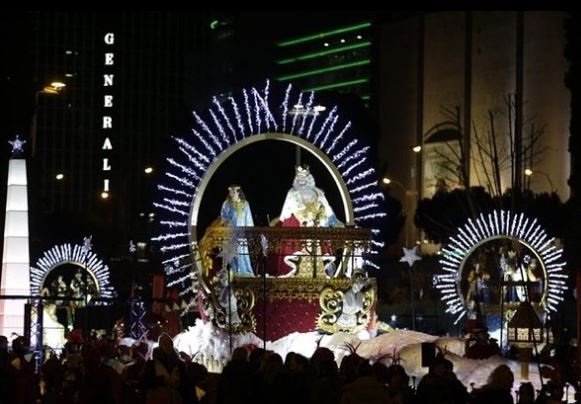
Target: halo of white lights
x,y
71,254
495,225
226,124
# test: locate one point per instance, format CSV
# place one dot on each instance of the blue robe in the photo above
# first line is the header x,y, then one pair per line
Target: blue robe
x,y
237,214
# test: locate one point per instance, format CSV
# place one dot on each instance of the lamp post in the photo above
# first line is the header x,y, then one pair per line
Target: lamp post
x,y
388,182
86,248
529,173
54,88
410,256
419,180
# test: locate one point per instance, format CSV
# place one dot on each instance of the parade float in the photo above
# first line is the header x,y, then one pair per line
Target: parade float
x,y
305,270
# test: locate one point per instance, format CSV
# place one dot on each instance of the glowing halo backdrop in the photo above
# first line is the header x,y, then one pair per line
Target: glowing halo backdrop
x,y
227,127
494,226
71,254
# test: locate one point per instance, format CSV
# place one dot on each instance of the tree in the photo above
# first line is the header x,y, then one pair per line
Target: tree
x,y
493,153
441,215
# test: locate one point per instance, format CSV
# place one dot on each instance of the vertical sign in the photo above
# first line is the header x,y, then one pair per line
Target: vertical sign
x,y
107,117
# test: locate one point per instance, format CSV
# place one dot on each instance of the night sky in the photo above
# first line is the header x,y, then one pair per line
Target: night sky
x,y
265,171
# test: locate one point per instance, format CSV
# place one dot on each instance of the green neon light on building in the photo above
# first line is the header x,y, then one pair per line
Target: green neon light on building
x,y
324,53
324,70
214,24
322,35
337,85
366,97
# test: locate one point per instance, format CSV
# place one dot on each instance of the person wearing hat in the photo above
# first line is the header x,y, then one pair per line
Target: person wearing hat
x,y
483,348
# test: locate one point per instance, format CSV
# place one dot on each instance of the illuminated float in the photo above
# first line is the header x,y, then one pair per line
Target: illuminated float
x,y
301,272
496,263
73,276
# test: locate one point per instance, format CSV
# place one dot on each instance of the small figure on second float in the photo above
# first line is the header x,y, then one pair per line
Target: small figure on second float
x,y
81,286
78,289
528,279
535,278
236,213
478,289
305,206
509,275
58,288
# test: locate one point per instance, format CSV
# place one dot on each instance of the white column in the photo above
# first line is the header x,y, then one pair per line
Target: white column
x,y
16,257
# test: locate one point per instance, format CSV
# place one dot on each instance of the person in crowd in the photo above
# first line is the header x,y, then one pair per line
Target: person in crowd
x,y
366,388
22,381
526,393
441,385
165,374
498,389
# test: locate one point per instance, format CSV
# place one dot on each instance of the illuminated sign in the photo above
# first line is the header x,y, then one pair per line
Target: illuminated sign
x,y
107,119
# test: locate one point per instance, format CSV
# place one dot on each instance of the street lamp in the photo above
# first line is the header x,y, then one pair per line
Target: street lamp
x,y
86,249
529,173
410,256
408,193
389,181
54,88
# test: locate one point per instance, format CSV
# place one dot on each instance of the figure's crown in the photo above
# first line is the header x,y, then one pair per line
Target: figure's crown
x,y
304,169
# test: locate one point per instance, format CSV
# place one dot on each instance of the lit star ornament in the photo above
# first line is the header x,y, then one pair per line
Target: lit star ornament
x,y
17,145
87,246
410,256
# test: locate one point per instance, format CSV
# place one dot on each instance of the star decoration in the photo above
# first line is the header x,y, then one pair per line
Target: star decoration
x,y
410,256
86,248
17,145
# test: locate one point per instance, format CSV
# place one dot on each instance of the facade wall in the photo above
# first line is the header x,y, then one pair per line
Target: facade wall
x,y
491,77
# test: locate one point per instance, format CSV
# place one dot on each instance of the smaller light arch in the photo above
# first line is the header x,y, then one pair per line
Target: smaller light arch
x,y
71,254
496,225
